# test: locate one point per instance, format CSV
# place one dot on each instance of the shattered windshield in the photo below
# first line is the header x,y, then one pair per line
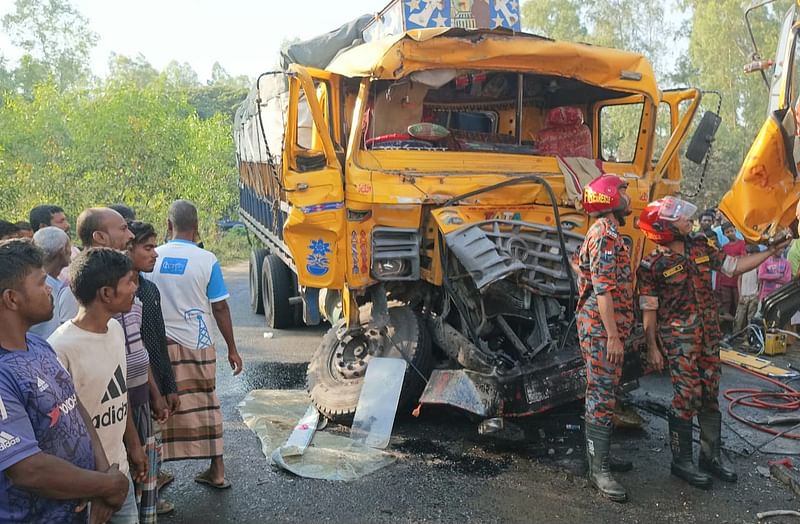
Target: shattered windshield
x,y
483,111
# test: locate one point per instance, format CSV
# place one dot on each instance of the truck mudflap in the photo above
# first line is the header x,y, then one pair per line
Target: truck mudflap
x,y
553,381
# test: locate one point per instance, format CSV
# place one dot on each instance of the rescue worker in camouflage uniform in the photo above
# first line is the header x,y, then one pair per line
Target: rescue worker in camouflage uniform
x,y
604,318
680,315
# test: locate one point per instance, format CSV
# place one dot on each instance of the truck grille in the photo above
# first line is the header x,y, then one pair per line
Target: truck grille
x,y
494,249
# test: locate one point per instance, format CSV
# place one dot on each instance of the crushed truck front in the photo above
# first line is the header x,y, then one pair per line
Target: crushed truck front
x,y
435,193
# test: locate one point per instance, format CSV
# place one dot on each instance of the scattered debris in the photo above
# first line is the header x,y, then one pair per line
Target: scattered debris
x,y
490,425
501,429
273,414
269,334
377,403
752,363
301,436
782,462
777,513
782,472
778,420
763,471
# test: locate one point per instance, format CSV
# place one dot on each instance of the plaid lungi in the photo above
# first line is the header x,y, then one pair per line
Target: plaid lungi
x,y
146,495
195,430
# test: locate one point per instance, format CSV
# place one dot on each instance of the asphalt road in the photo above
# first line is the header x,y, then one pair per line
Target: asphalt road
x,y
446,472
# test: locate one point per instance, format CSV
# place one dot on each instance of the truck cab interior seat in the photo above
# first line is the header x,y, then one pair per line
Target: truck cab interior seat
x,y
564,134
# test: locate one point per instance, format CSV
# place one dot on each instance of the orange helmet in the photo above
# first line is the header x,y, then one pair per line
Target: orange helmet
x,y
658,218
604,195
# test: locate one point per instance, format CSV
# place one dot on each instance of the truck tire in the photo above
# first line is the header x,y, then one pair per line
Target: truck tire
x,y
256,289
276,284
335,389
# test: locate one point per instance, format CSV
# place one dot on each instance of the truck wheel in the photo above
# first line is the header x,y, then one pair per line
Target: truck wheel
x,y
276,285
336,371
256,290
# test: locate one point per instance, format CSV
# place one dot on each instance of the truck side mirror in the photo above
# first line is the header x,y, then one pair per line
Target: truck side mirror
x,y
703,137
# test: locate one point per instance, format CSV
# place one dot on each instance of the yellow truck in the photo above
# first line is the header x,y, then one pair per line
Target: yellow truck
x,y
764,194
418,190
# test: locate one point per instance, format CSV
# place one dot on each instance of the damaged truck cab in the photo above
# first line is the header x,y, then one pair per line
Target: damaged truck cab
x,y
421,193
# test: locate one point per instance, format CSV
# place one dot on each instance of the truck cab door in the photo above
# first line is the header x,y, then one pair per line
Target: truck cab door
x,y
312,179
666,177
763,196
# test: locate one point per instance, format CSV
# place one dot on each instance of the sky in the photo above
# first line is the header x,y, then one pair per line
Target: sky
x,y
242,35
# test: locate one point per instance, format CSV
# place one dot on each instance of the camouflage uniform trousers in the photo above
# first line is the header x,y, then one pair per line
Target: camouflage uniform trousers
x,y
602,379
694,368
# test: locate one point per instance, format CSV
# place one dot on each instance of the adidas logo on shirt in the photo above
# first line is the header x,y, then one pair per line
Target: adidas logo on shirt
x,y
115,413
7,440
41,384
116,386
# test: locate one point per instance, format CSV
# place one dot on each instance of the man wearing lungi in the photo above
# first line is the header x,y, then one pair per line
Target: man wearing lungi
x,y
192,290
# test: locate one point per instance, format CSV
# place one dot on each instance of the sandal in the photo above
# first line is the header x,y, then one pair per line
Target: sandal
x,y
204,478
164,478
164,508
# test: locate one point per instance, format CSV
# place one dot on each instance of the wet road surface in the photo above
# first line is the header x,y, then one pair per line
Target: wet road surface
x,y
446,471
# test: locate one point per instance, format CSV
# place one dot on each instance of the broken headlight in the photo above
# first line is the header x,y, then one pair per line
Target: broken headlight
x,y
395,253
391,269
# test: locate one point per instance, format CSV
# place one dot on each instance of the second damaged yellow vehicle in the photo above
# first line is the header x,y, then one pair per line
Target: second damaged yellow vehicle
x,y
419,191
762,198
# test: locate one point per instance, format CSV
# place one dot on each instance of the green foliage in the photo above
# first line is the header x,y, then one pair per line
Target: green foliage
x,y
122,143
56,41
560,19
123,69
230,246
619,129
180,76
142,137
718,47
624,24
222,94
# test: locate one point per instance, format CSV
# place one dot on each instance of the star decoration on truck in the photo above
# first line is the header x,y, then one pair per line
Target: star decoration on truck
x,y
427,13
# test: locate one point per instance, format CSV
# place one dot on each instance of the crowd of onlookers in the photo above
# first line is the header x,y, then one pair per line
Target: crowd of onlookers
x,y
107,366
740,296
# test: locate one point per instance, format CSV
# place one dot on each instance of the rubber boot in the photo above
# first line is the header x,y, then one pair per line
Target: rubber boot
x,y
710,441
618,464
680,432
598,446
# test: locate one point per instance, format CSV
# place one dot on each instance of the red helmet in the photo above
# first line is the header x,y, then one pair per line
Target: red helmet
x,y
657,219
603,195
